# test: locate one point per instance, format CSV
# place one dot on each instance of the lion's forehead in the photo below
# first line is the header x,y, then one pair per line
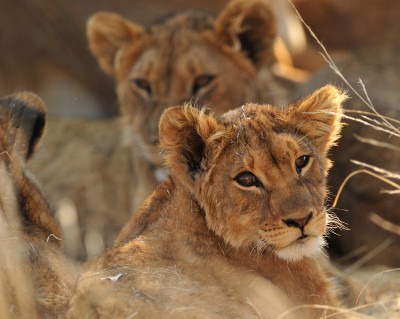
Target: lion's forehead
x,y
253,115
194,20
263,128
263,143
182,38
176,61
179,35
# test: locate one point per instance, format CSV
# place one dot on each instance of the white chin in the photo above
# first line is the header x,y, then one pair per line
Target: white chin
x,y
301,249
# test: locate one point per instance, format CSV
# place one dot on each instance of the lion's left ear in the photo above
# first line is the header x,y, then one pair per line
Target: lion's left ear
x,y
248,26
107,34
185,133
318,116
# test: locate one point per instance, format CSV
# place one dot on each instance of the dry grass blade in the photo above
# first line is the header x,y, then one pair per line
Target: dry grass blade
x,y
335,311
346,111
366,100
388,124
378,275
377,143
385,224
16,293
362,171
391,192
369,256
385,173
376,127
351,255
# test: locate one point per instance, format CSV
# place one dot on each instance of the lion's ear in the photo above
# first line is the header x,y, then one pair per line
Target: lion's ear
x,y
107,33
318,116
23,115
185,133
248,26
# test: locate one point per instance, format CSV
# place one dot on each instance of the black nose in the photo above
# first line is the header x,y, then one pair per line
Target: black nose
x,y
298,222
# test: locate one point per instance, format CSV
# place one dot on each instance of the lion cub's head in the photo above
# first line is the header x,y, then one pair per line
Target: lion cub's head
x,y
258,172
189,57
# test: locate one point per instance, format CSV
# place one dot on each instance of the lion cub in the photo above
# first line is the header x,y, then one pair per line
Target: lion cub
x,y
36,279
235,230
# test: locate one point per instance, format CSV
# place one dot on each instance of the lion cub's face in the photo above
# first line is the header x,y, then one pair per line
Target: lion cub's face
x,y
269,190
191,72
258,172
190,57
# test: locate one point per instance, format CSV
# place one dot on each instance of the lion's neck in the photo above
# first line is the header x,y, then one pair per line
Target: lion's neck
x,y
170,209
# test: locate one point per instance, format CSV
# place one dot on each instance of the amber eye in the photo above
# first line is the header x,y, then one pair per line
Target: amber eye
x,y
201,81
301,162
142,84
247,179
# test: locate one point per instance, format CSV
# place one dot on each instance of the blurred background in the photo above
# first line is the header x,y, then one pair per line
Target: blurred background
x,y
43,48
43,44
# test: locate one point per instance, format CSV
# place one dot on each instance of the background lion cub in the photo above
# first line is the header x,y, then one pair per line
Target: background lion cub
x,y
36,279
234,232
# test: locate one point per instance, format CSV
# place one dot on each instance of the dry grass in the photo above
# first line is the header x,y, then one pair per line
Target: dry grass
x,y
16,294
378,290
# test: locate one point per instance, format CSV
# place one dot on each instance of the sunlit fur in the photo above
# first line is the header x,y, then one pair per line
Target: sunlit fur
x,y
203,245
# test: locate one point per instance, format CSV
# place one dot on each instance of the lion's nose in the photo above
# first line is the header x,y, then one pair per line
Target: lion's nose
x,y
298,222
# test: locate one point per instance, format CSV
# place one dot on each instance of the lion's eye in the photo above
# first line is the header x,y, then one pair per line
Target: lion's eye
x,y
301,162
202,81
247,179
142,84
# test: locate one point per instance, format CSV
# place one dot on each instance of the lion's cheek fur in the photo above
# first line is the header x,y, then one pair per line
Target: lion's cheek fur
x,y
230,217
238,231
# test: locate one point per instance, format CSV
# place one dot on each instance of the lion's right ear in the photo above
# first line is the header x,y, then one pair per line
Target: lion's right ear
x,y
23,116
248,26
107,33
185,134
318,116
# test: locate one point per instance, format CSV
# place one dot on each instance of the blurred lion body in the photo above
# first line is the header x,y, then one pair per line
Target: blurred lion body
x,y
107,168
236,229
37,279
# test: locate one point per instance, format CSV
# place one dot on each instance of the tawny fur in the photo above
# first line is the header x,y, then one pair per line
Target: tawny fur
x,y
36,278
204,245
220,63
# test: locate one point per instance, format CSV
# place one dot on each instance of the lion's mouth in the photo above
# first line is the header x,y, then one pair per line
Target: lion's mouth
x,y
302,236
